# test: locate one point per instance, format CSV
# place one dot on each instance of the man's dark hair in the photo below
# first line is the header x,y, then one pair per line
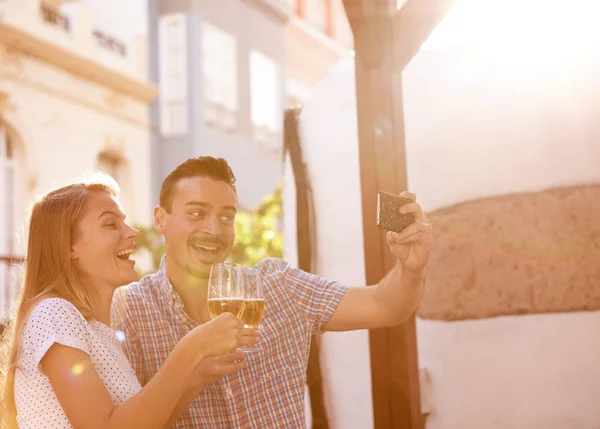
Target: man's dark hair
x,y
201,166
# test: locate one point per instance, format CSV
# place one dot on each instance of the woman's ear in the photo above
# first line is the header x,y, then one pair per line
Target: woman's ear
x,y
75,251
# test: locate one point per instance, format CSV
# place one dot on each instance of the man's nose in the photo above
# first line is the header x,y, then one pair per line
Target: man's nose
x,y
212,226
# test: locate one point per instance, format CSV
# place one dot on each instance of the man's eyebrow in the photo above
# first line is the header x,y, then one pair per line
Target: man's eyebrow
x,y
197,203
207,205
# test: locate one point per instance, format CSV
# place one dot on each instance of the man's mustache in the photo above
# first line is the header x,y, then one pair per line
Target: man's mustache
x,y
207,241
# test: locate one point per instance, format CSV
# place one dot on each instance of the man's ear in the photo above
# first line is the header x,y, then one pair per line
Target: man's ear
x,y
160,219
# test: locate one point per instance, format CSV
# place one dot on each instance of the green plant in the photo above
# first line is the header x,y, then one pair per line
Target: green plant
x,y
258,233
151,241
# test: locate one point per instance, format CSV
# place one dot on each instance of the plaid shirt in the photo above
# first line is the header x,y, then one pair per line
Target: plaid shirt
x,y
269,392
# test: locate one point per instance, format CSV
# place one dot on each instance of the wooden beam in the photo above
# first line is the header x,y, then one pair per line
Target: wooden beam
x,y
413,25
10,259
394,368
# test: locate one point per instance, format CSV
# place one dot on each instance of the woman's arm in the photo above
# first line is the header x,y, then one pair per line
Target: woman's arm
x,y
87,403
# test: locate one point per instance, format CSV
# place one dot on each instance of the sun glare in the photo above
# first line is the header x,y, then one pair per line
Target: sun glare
x,y
527,33
77,369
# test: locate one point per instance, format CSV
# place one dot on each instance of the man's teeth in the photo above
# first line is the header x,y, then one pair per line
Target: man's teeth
x,y
211,248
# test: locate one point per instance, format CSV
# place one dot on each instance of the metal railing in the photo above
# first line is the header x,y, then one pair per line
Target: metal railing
x,y
110,43
10,281
53,17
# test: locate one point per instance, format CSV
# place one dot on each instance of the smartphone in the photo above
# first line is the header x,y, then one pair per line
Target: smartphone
x,y
388,216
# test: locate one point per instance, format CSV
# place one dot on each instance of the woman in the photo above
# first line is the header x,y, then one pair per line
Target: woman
x,y
65,367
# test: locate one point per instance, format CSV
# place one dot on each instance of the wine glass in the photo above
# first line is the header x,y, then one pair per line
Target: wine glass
x,y
254,301
225,290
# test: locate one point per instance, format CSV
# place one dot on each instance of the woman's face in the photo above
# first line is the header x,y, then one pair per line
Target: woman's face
x,y
103,243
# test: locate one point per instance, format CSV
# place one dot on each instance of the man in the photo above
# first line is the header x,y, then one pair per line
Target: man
x,y
196,216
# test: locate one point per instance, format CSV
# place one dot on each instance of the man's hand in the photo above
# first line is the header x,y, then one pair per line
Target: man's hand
x,y
394,299
412,246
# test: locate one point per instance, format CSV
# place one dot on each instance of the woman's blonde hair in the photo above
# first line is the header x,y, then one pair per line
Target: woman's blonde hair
x,y
49,272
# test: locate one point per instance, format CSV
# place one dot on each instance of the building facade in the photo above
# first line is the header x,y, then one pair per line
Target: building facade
x,y
219,68
316,37
73,98
227,70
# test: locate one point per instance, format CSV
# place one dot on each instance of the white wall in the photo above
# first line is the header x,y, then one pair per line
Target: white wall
x,y
333,165
474,128
477,128
521,372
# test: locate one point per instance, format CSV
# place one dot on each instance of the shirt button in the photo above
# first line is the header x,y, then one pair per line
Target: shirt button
x,y
228,392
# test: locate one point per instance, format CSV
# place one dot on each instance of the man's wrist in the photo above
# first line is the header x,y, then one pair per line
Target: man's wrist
x,y
411,271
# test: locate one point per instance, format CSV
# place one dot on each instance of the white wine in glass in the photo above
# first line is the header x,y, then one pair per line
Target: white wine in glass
x,y
254,308
219,306
225,290
254,301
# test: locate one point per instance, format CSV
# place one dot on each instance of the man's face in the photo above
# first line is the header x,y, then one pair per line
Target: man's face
x,y
199,231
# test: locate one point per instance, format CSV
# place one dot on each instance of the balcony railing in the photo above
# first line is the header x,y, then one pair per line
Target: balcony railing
x,y
10,281
110,43
220,118
54,17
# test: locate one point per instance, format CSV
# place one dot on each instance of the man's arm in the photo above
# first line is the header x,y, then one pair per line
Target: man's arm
x,y
396,297
387,304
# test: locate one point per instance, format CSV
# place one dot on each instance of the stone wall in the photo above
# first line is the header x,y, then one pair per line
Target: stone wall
x,y
516,254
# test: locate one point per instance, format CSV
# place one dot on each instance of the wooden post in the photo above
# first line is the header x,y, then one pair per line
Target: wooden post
x,y
394,369
305,237
385,40
413,25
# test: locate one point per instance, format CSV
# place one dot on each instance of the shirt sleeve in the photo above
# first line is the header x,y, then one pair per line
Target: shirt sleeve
x,y
316,298
54,320
123,323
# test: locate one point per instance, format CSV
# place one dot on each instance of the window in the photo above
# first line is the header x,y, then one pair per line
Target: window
x,y
265,95
51,15
342,32
7,192
219,61
110,43
8,271
316,14
111,164
173,75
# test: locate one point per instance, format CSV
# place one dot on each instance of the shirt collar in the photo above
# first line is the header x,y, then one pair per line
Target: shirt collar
x,y
167,292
